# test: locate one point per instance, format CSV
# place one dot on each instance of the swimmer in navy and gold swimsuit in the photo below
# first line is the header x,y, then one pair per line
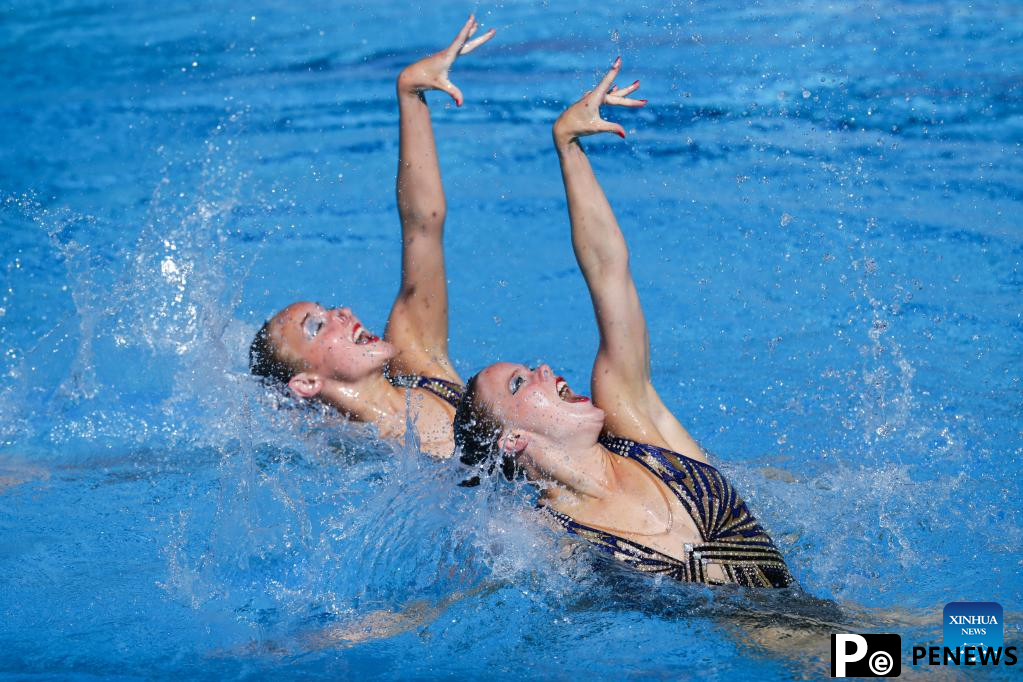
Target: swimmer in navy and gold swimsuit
x,y
627,494
731,537
327,354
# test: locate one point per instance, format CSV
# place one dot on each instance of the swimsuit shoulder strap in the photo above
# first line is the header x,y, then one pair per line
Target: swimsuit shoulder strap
x,y
667,465
448,391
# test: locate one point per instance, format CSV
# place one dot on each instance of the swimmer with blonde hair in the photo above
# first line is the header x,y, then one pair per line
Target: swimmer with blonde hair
x,y
327,355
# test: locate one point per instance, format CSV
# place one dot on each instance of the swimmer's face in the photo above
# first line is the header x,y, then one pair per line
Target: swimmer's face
x,y
536,402
331,344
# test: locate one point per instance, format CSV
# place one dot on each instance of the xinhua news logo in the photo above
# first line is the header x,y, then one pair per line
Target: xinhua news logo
x,y
972,623
866,655
972,634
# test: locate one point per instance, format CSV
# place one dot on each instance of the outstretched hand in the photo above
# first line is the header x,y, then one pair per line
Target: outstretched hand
x,y
583,117
431,73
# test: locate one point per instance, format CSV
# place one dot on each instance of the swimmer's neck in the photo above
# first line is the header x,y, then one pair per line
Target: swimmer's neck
x,y
585,473
373,400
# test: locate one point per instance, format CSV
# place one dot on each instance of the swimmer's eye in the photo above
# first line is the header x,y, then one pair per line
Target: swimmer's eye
x,y
515,384
313,327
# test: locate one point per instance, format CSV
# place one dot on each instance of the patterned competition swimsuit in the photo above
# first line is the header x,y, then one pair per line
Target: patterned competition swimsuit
x,y
731,537
448,391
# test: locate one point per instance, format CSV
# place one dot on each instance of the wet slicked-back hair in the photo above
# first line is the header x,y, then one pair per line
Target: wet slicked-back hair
x,y
477,432
476,429
264,360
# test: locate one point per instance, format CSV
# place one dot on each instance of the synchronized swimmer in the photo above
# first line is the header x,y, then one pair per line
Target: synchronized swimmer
x,y
619,471
328,355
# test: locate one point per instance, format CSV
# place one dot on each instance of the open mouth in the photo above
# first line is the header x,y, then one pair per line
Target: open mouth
x,y
566,394
360,336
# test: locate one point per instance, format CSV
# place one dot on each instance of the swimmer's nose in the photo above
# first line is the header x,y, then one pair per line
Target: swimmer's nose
x,y
344,312
544,371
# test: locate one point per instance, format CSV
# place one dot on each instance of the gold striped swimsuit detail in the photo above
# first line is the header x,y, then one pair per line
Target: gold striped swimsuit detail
x,y
730,537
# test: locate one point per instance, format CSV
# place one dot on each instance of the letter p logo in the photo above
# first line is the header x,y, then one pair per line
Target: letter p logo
x,y
874,655
846,649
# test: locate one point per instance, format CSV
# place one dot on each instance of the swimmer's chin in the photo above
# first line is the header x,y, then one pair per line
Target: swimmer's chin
x,y
380,349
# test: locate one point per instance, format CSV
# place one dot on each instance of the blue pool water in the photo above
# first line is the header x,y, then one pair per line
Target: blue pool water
x,y
823,205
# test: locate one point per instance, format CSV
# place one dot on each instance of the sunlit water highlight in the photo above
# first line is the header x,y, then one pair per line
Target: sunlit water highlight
x,y
822,205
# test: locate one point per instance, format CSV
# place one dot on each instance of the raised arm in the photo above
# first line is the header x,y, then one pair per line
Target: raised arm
x,y
418,323
621,382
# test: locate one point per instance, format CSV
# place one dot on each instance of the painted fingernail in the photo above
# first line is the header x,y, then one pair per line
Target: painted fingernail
x,y
618,60
643,101
635,82
620,134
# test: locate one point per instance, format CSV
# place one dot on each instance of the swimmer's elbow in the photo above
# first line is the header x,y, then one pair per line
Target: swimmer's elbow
x,y
423,218
607,261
